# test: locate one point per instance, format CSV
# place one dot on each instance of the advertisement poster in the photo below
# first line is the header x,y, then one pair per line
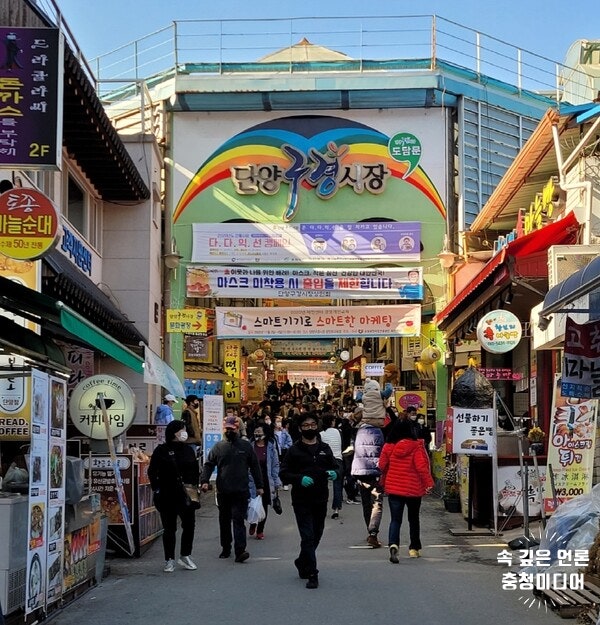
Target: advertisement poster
x,y
571,446
330,321
510,491
398,283
285,243
104,482
38,493
581,377
212,424
404,399
473,431
56,491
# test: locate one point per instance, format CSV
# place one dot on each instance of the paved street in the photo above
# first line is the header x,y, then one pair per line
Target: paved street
x,y
456,581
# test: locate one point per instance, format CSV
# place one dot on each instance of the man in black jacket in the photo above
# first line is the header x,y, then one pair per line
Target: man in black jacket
x,y
307,466
234,457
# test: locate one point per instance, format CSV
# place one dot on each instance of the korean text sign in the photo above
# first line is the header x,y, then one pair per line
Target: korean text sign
x,y
31,70
581,371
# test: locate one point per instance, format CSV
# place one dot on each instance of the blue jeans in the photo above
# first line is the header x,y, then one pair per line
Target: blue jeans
x,y
310,519
413,505
338,486
233,508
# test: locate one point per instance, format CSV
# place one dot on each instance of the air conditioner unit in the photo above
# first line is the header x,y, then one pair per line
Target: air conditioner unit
x,y
565,260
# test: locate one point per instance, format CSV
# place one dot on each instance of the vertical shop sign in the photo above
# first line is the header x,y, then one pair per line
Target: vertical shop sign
x,y
31,71
38,494
212,422
571,446
581,371
232,366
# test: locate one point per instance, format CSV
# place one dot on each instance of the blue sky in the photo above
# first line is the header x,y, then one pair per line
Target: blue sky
x,y
544,27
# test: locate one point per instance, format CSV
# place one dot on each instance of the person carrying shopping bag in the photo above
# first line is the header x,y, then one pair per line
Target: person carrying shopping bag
x,y
268,460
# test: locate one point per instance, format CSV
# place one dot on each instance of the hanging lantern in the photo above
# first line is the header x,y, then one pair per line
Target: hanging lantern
x,y
430,355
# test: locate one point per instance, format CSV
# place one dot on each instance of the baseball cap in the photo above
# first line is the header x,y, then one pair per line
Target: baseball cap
x,y
231,422
170,397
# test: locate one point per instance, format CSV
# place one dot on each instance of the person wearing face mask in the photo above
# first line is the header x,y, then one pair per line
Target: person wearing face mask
x,y
173,464
418,428
235,460
268,460
308,466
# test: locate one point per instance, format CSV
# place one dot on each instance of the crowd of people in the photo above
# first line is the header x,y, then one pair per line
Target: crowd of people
x,y
301,439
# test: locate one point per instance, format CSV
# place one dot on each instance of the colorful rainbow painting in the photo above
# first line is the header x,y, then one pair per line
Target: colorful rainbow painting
x,y
261,145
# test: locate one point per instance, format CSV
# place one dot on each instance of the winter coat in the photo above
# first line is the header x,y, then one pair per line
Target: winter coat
x,y
307,460
405,468
168,463
272,470
367,449
233,460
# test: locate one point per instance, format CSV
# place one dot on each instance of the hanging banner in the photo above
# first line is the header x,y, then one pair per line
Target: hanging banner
x,y
212,422
157,371
188,320
282,322
571,447
285,243
473,431
581,370
305,282
232,366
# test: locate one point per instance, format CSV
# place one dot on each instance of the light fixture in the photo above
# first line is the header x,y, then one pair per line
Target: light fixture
x,y
446,256
544,322
508,298
172,258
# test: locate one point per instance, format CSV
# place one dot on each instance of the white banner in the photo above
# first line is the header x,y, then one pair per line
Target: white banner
x,y
212,421
398,283
157,371
284,243
473,431
238,322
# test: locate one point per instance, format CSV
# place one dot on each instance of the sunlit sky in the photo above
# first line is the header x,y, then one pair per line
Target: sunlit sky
x,y
545,27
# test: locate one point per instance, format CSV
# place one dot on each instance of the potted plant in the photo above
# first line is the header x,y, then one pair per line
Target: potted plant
x,y
535,436
451,495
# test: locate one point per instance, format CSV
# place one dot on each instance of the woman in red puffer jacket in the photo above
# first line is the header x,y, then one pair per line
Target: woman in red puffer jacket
x,y
405,478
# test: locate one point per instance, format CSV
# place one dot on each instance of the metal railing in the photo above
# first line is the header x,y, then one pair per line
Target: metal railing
x,y
391,43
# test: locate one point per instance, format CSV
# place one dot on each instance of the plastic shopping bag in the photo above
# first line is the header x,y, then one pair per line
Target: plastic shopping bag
x,y
256,512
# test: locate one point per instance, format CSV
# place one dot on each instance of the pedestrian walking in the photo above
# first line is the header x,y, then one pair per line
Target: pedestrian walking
x,y
164,412
268,460
173,464
308,466
367,448
233,457
405,477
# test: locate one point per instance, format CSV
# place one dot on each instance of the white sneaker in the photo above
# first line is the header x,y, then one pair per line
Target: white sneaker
x,y
186,563
169,566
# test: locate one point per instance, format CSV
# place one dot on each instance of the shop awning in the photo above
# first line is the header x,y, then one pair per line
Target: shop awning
x,y
205,372
58,320
19,340
580,283
505,263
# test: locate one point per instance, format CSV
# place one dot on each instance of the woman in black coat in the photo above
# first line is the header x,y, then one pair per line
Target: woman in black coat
x,y
173,464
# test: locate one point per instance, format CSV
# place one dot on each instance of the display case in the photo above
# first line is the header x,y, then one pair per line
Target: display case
x,y
13,550
145,518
